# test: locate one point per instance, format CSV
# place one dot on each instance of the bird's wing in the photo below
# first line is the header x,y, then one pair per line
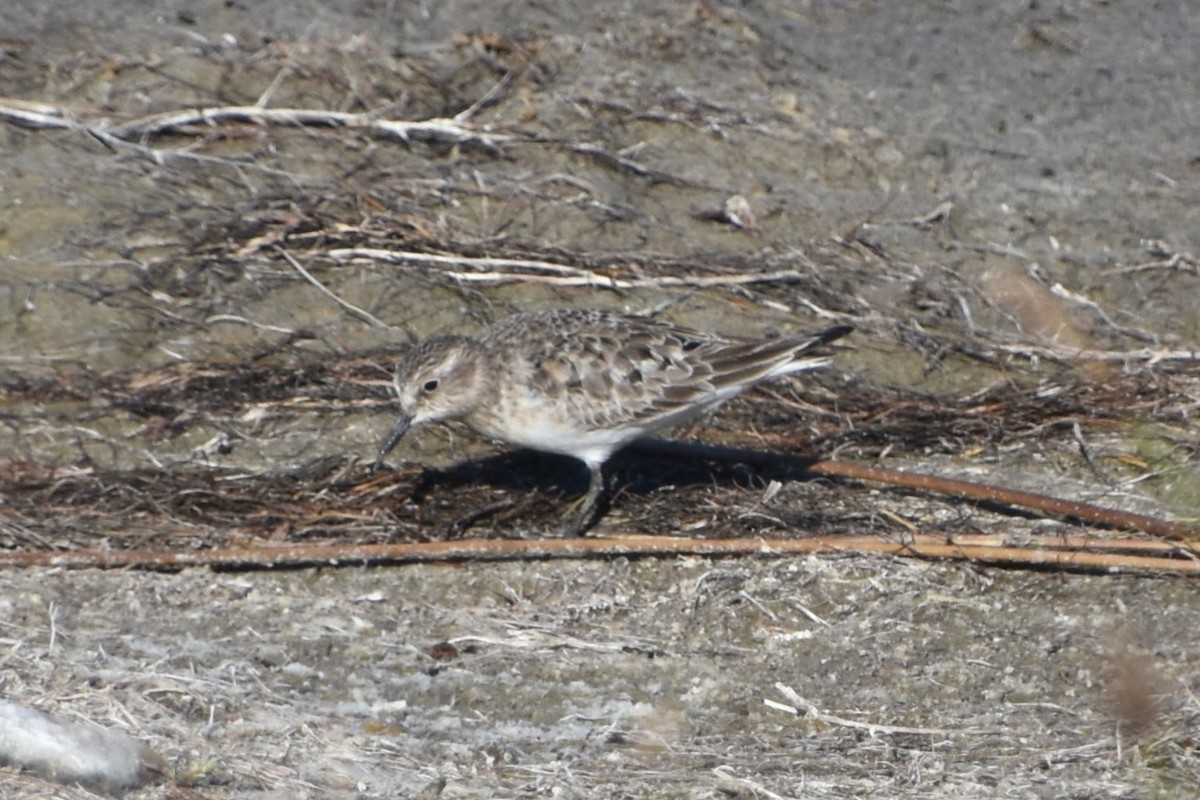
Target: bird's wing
x,y
615,371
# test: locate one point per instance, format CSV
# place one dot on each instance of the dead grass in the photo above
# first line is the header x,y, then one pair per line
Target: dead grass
x,y
200,403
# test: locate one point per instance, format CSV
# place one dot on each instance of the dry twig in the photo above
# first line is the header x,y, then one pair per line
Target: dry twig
x,y
1047,554
366,316
509,270
43,115
811,710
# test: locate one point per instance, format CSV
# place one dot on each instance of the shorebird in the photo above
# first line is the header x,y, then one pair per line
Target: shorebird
x,y
585,383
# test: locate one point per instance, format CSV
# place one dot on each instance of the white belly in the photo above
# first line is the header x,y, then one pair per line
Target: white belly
x,y
553,436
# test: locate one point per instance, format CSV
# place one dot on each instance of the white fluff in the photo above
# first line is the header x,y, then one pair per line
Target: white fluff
x,y
66,752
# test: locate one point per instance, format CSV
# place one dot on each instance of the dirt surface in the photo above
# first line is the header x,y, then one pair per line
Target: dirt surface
x,y
1003,199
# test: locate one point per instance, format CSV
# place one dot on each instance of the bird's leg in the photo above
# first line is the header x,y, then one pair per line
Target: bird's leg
x,y
587,506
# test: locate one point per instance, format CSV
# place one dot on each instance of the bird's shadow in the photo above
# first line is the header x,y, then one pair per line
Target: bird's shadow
x,y
642,468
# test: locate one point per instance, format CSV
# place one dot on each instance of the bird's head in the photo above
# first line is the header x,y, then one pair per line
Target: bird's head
x,y
440,378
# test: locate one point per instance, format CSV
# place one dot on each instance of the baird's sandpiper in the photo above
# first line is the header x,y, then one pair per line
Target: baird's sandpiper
x,y
585,383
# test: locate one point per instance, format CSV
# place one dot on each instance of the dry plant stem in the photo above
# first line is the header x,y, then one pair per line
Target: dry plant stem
x,y
353,309
919,545
628,166
442,129
1084,512
1149,355
509,270
796,704
42,115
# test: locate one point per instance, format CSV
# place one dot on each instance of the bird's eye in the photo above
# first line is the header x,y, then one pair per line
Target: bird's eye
x,y
430,385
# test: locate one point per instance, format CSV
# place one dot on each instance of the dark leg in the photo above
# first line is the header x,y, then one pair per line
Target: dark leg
x,y
582,518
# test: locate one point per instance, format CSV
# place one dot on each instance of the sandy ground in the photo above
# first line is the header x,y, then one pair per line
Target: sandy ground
x,y
1010,176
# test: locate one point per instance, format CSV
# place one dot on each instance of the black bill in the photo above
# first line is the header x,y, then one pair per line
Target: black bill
x,y
398,432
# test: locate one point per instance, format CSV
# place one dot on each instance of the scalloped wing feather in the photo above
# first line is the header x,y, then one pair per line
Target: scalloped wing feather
x,y
612,371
